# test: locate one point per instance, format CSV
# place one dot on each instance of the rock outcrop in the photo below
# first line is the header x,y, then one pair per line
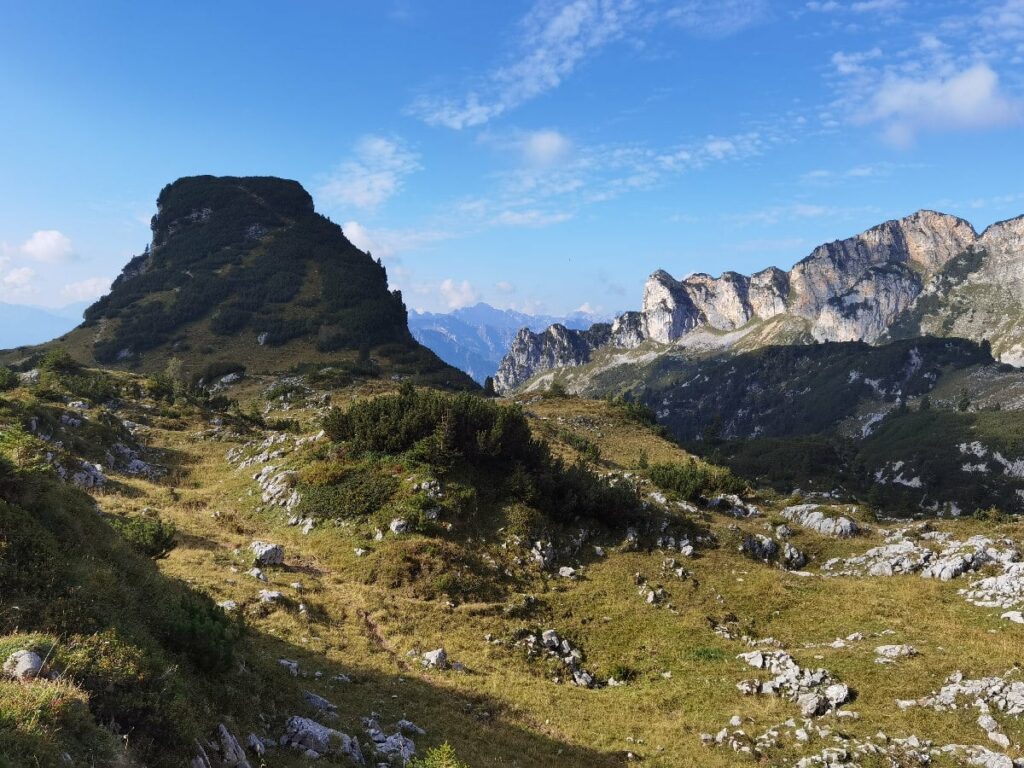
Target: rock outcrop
x,y
928,273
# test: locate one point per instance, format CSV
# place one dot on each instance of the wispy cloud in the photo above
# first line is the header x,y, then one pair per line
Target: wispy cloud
x,y
17,284
788,212
940,78
373,174
390,243
555,38
49,246
966,100
458,294
85,290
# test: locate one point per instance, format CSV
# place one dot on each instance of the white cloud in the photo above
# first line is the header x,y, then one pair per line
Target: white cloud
x,y
862,6
18,278
18,284
853,63
374,173
556,37
86,290
504,286
543,148
717,19
795,211
48,245
458,295
970,99
389,243
877,6
530,218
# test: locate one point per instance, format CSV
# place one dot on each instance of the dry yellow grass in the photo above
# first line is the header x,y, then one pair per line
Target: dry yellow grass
x,y
504,710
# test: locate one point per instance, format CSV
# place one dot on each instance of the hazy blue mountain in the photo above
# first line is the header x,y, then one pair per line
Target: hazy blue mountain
x,y
21,325
476,338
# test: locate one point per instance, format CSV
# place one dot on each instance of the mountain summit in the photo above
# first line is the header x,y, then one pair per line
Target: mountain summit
x,y
244,270
926,274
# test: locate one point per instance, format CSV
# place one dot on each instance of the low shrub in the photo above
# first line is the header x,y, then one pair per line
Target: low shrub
x,y
586,447
431,569
149,536
439,757
331,491
8,379
192,624
446,430
693,479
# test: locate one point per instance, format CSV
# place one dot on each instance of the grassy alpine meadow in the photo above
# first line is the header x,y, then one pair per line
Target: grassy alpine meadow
x,y
475,483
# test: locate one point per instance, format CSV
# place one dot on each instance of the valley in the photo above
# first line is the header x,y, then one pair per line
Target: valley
x,y
661,624
228,549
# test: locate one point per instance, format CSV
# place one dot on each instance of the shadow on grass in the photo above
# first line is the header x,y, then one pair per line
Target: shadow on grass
x,y
479,727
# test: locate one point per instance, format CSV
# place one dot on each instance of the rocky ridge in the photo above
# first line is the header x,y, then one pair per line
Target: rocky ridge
x,y
928,273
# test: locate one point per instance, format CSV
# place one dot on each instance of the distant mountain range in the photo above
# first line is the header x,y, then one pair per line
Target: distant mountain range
x,y
926,274
476,338
21,325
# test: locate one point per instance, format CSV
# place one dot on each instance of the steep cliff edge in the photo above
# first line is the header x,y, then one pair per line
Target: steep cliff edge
x,y
928,273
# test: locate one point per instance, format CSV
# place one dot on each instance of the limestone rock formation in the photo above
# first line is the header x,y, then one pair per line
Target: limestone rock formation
x,y
928,273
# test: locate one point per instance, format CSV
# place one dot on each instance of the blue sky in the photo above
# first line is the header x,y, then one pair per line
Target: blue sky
x,y
539,154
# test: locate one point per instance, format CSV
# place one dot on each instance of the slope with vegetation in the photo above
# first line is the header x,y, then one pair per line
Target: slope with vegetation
x,y
419,520
242,273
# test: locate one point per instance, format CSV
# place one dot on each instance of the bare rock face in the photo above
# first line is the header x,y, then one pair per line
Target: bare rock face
x,y
867,310
768,292
556,347
868,287
668,311
628,330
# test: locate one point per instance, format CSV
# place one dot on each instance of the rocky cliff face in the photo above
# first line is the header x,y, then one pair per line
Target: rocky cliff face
x,y
928,273
555,347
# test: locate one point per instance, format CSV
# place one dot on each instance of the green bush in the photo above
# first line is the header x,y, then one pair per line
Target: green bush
x,y
439,757
432,569
474,429
123,682
8,379
446,430
634,411
337,493
192,624
149,536
693,479
556,391
586,447
58,360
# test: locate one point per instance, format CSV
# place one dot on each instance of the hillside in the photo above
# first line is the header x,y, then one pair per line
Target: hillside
x,y
242,273
928,273
585,621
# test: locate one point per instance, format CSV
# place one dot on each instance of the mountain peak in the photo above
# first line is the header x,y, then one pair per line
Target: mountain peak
x,y
243,270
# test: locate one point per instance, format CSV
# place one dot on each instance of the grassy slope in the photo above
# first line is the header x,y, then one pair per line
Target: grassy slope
x,y
504,710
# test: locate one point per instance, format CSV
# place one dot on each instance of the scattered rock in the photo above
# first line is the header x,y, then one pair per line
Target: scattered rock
x,y
437,659
304,735
231,752
318,702
23,665
760,548
887,654
811,516
265,554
